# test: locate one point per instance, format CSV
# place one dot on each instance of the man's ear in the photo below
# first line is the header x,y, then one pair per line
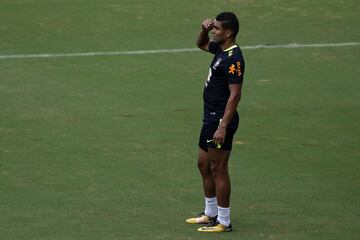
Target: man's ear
x,y
228,33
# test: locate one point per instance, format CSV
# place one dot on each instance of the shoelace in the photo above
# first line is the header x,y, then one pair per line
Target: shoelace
x,y
211,224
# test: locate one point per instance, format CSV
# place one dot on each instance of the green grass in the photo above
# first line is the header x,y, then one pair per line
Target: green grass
x,y
105,147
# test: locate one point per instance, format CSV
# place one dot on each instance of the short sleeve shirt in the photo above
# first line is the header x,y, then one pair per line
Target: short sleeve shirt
x,y
227,67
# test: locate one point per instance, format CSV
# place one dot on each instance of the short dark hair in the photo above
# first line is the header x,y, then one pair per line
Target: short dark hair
x,y
229,21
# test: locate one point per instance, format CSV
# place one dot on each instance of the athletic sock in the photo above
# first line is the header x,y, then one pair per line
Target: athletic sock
x,y
211,207
224,216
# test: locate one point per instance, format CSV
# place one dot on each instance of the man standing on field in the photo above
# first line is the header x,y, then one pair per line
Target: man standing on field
x,y
222,94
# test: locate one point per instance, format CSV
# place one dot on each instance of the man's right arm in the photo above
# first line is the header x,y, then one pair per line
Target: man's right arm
x,y
203,39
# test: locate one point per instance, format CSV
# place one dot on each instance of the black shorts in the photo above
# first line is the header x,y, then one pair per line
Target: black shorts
x,y
207,133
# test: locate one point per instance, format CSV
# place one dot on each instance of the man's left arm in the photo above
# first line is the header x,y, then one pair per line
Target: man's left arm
x,y
230,109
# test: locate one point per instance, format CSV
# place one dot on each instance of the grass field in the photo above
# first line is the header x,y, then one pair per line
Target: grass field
x,y
105,147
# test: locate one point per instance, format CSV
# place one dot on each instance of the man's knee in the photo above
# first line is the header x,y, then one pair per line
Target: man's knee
x,y
203,164
213,168
219,165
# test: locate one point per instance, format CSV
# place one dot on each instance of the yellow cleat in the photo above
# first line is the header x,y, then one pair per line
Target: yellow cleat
x,y
215,228
201,219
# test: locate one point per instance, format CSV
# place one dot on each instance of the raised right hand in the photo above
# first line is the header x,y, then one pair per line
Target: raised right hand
x,y
207,24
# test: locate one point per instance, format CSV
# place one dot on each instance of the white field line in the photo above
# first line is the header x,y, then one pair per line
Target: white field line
x,y
180,50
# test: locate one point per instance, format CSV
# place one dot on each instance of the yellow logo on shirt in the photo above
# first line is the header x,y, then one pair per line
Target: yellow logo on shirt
x,y
238,68
232,69
235,69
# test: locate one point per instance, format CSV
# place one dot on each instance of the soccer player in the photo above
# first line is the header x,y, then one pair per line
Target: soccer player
x,y
221,95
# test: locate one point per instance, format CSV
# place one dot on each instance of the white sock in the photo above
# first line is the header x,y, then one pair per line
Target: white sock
x,y
224,216
211,207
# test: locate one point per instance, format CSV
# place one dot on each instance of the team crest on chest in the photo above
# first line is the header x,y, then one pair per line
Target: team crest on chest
x,y
217,63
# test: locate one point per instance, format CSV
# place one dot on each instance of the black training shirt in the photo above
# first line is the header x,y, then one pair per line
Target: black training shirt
x,y
227,67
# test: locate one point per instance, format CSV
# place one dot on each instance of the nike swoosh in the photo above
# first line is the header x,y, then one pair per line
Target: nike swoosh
x,y
209,141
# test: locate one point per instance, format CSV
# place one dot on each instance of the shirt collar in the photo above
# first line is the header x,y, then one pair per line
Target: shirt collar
x,y
232,47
